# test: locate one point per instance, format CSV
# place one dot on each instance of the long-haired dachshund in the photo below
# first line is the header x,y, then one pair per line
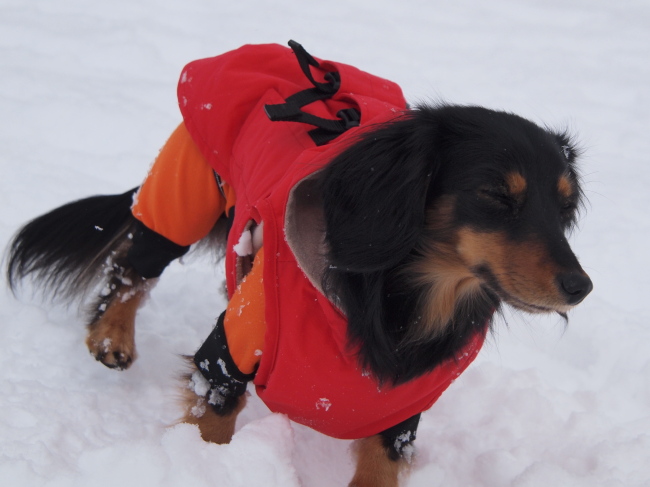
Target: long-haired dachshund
x,y
367,244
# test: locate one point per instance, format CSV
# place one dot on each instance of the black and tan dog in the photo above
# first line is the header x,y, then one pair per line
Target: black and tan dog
x,y
428,223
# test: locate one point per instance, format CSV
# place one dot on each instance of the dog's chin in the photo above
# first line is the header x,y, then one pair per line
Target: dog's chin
x,y
536,308
532,308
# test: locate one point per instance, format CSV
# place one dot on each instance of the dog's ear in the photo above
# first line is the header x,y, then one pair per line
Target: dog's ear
x,y
570,149
374,194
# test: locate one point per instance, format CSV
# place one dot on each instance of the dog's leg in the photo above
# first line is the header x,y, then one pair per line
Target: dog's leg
x,y
216,388
375,465
382,457
111,330
216,423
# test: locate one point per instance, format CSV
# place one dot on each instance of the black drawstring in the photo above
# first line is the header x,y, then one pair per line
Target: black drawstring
x,y
290,110
305,60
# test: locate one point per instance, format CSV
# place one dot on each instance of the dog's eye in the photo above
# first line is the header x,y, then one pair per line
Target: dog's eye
x,y
568,206
568,212
498,197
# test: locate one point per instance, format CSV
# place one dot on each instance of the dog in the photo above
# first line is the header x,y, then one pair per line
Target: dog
x,y
375,247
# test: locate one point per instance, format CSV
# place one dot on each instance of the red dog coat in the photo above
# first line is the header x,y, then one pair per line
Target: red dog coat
x,y
307,370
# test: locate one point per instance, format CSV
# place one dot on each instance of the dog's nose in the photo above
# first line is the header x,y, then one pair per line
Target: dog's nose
x,y
575,286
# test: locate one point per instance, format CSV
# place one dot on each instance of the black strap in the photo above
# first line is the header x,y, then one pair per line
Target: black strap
x,y
305,60
290,110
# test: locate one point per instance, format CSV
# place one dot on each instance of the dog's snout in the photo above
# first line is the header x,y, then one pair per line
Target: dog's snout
x,y
575,286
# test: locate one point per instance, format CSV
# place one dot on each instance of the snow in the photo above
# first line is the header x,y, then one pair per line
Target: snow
x,y
87,97
199,384
323,403
244,245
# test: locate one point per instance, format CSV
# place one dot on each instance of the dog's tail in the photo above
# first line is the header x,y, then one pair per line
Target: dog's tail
x,y
66,250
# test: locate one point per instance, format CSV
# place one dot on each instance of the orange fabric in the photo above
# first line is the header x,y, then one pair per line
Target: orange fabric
x,y
244,322
180,198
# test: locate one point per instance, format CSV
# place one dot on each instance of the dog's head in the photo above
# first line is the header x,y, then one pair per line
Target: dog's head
x,y
504,197
446,213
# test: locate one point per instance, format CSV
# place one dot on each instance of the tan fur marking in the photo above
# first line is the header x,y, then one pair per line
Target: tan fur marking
x,y
516,184
213,427
525,271
111,339
446,276
565,187
374,468
449,281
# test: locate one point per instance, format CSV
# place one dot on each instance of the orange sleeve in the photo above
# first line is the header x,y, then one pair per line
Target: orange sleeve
x,y
244,323
180,198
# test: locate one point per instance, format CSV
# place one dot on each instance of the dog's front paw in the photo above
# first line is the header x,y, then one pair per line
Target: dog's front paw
x,y
374,465
216,423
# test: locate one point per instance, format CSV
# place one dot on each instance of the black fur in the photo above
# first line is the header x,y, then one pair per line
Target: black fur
x,y
376,195
65,250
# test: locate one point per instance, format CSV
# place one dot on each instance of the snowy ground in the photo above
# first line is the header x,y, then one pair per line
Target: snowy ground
x,y
87,96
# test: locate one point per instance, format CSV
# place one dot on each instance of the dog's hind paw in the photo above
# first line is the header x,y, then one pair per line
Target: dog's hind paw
x,y
111,336
116,351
